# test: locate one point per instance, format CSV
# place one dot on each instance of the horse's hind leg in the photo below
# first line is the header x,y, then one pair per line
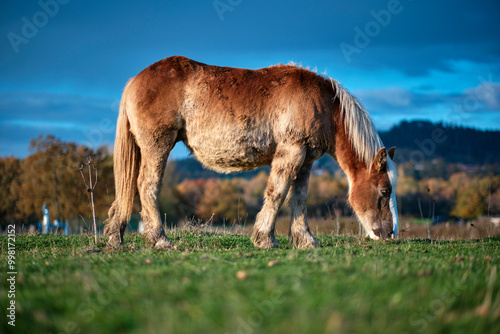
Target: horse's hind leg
x,y
285,165
153,162
114,227
299,234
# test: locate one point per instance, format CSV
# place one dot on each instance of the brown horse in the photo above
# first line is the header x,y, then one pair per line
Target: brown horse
x,y
235,119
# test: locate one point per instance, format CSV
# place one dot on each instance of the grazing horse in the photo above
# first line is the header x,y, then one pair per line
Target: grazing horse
x,y
235,119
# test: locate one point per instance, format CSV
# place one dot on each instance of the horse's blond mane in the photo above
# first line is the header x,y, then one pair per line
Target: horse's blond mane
x,y
357,124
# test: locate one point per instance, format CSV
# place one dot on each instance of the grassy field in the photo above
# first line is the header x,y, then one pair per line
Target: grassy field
x,y
220,283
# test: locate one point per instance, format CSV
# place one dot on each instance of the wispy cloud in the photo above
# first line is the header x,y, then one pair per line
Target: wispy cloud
x,y
486,94
55,107
474,106
25,115
42,125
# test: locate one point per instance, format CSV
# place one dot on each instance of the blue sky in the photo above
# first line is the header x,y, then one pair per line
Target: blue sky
x,y
63,63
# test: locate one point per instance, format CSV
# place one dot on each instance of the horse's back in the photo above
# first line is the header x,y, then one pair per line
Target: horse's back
x,y
230,118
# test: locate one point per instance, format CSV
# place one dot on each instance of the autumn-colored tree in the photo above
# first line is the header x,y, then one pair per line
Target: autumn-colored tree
x,y
222,200
170,200
213,198
493,196
326,193
50,175
9,190
494,203
252,192
190,193
470,204
472,196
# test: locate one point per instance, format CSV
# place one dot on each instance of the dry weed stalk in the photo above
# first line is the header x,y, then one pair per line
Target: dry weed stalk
x,y
90,188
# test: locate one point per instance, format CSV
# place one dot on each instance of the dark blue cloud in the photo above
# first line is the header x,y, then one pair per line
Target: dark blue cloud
x,y
86,120
70,70
90,121
89,40
477,107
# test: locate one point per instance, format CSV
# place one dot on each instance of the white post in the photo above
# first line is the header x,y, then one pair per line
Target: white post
x,y
46,219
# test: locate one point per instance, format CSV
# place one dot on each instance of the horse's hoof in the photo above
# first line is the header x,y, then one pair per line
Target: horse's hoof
x,y
265,241
114,241
304,241
164,244
266,244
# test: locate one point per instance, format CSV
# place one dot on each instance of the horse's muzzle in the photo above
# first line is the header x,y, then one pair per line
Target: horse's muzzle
x,y
378,234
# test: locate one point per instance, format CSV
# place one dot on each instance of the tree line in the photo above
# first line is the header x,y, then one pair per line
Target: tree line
x,y
420,141
51,175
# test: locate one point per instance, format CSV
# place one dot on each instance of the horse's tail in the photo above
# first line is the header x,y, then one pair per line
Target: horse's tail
x,y
126,160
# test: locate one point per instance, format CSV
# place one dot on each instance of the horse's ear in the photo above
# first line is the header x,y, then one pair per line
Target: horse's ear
x,y
380,162
391,152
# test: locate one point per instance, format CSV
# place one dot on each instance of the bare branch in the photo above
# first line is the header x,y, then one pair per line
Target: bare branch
x,y
83,176
90,188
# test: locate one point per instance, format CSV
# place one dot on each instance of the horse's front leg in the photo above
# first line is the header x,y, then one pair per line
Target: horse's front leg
x,y
285,166
299,234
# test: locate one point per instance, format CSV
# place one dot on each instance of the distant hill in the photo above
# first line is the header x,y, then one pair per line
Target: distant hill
x,y
423,140
190,168
416,141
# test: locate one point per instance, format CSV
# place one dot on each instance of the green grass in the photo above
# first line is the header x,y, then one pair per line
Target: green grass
x,y
348,285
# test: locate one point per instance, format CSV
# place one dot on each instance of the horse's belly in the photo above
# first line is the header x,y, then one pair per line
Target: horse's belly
x,y
231,152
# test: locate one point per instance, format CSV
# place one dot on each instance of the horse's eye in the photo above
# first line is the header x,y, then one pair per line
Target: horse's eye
x,y
385,192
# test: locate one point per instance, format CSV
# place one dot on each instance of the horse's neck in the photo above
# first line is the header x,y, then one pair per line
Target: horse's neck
x,y
347,157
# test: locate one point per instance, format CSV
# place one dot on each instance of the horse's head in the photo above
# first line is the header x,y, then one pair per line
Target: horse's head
x,y
372,196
